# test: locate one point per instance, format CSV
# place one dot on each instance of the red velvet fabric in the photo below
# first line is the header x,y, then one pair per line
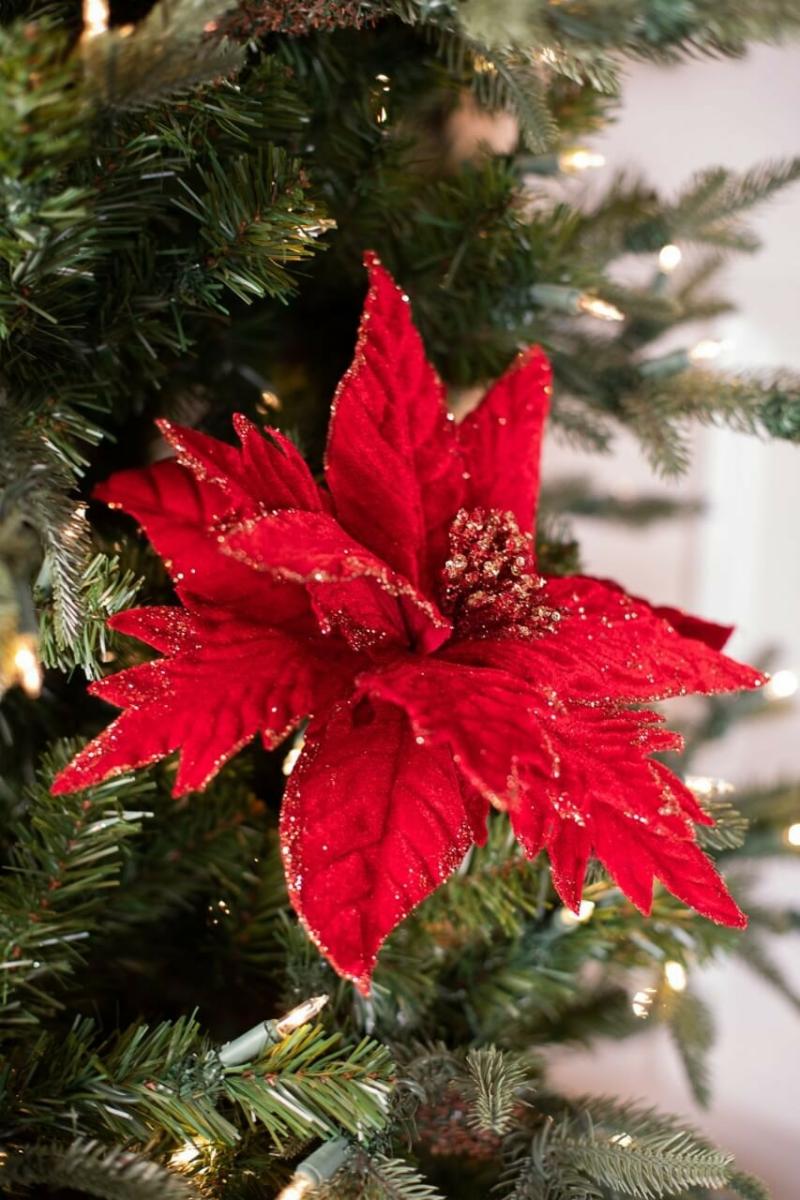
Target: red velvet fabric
x,y
398,605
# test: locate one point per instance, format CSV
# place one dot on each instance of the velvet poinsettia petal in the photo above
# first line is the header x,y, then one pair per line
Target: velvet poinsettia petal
x,y
371,823
267,473
221,685
686,624
714,635
501,440
179,514
353,592
608,798
620,649
495,728
393,464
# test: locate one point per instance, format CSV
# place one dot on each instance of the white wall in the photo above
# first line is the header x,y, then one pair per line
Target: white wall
x,y
739,563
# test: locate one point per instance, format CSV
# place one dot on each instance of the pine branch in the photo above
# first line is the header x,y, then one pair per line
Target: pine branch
x,y
729,831
168,52
253,219
68,852
692,1027
377,1177
754,951
167,1085
636,1152
501,80
496,1083
103,588
92,1168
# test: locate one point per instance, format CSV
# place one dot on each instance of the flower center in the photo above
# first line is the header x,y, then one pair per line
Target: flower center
x,y
490,584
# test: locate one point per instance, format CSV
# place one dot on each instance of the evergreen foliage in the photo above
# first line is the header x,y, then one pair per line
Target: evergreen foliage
x,y
184,200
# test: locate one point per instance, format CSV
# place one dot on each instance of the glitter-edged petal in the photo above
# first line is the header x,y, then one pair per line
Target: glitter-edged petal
x,y
501,440
495,728
371,824
180,515
393,464
353,591
267,472
609,798
612,646
208,700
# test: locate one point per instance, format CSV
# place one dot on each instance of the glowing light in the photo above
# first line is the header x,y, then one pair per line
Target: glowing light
x,y
782,685
595,307
95,19
622,1139
705,351
793,835
585,910
296,1188
642,1003
580,159
669,258
675,975
25,667
301,1015
184,1157
706,787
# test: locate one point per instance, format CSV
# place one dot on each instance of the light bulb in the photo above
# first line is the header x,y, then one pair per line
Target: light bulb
x,y
793,835
642,1002
595,307
669,258
26,670
622,1139
585,910
580,159
706,787
188,1153
95,18
296,1188
782,685
675,975
301,1015
706,350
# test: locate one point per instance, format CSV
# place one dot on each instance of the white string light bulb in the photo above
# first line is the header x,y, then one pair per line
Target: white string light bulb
x,y
669,258
675,976
580,159
782,685
595,307
705,350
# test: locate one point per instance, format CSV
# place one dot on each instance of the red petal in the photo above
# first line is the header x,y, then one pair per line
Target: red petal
x,y
609,798
353,591
494,727
178,513
168,629
393,463
502,439
208,700
714,635
371,823
267,472
622,650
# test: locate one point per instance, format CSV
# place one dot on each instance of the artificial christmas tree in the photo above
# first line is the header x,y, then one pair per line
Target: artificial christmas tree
x,y
188,190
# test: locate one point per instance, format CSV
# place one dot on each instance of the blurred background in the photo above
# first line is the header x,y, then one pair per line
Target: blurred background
x,y
737,562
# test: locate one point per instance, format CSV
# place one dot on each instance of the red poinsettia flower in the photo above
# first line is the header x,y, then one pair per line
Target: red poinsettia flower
x,y
399,607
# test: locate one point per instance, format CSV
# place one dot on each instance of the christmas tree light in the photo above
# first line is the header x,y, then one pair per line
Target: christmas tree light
x,y
248,1046
318,1168
669,258
782,685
